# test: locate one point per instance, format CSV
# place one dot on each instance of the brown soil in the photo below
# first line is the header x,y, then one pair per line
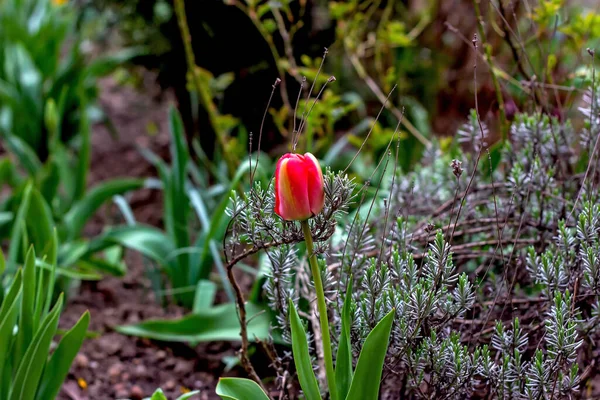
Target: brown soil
x,y
111,365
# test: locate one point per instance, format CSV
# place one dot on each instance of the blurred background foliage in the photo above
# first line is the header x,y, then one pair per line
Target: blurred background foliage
x,y
423,49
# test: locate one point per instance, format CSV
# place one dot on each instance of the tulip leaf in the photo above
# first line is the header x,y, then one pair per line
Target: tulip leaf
x,y
239,389
18,227
58,367
76,218
158,395
30,369
367,376
343,366
26,322
302,360
216,323
150,241
9,312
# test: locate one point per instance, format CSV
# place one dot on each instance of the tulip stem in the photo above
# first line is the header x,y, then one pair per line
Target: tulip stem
x,y
322,307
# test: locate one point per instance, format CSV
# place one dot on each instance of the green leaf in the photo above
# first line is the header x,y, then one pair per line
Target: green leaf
x,y
217,323
367,376
19,226
158,395
27,325
99,264
30,369
188,395
76,218
343,363
9,312
58,367
48,180
85,149
239,389
105,65
177,204
205,296
39,222
24,153
2,262
218,222
5,216
149,241
302,360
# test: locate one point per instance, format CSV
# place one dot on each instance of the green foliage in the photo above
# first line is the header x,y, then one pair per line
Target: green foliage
x,y
26,369
369,367
239,389
35,220
184,259
216,322
159,395
47,87
47,99
302,358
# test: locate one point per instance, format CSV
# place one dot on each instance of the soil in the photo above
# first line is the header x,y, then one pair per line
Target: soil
x,y
111,365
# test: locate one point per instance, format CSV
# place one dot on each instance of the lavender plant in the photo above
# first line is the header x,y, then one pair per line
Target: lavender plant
x,y
486,258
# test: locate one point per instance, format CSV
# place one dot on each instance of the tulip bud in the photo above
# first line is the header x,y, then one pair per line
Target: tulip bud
x,y
298,187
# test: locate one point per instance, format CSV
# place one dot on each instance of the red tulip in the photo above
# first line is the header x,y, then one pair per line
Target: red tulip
x,y
298,187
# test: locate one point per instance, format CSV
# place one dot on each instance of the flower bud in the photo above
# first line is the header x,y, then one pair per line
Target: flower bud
x,y
299,183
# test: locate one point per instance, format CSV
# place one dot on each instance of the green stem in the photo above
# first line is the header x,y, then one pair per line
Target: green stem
x,y
322,307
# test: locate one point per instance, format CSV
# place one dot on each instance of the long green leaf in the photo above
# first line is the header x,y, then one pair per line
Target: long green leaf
x,y
9,313
367,377
302,359
204,296
58,367
2,263
149,241
27,325
177,203
25,154
84,209
39,221
85,149
188,395
19,225
99,264
240,389
218,223
30,369
343,363
217,323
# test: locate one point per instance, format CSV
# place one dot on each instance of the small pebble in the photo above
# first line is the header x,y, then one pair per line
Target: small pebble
x,y
114,371
136,392
121,391
170,385
82,361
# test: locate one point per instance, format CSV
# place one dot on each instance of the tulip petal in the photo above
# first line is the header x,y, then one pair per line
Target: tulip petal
x,y
291,200
316,195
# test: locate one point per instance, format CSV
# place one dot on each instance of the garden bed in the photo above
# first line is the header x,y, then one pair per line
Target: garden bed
x,y
111,365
